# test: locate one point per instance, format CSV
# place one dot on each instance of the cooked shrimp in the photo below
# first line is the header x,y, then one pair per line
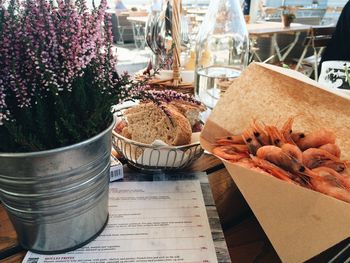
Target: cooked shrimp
x,y
315,157
275,136
259,132
240,148
332,149
329,172
272,169
280,158
251,141
289,135
272,154
277,156
296,136
279,140
346,173
247,163
331,184
316,139
287,126
233,139
336,166
287,131
327,188
229,152
293,150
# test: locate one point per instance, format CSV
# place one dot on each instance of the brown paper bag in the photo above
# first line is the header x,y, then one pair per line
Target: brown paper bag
x,y
299,222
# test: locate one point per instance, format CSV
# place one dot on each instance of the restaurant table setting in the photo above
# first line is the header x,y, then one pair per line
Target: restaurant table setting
x,y
302,226
174,188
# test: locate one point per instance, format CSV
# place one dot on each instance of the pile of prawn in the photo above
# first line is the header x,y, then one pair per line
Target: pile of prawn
x,y
310,160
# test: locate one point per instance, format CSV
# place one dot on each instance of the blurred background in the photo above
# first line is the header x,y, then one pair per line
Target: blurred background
x,y
130,19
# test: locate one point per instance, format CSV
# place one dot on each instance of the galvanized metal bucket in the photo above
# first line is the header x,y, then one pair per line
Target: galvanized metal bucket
x,y
57,200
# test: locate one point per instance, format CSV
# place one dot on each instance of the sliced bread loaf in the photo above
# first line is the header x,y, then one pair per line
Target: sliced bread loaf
x,y
147,123
190,110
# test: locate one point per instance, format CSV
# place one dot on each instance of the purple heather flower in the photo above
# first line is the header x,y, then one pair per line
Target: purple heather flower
x,y
44,48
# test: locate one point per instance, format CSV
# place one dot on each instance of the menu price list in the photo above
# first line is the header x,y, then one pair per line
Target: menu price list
x,y
149,222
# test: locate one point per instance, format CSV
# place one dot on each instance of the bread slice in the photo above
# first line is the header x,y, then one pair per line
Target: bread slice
x,y
147,123
190,110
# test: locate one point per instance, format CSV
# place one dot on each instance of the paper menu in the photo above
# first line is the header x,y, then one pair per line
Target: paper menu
x,y
163,221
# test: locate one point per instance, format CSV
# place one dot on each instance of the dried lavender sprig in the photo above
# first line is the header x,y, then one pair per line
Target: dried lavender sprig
x,y
139,90
169,96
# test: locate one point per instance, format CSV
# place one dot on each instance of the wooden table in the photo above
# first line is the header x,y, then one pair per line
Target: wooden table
x,y
196,11
269,28
245,239
138,19
138,28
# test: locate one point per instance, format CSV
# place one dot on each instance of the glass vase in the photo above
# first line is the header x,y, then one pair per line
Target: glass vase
x,y
221,50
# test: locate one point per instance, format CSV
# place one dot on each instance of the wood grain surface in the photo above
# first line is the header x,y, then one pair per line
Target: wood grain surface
x,y
8,237
229,215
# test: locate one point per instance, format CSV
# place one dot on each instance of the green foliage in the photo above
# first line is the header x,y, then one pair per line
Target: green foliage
x,y
59,120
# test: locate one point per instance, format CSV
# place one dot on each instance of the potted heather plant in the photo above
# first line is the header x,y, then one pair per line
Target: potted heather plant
x,y
58,81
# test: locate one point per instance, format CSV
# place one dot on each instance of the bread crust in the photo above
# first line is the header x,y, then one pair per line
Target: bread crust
x,y
147,122
190,110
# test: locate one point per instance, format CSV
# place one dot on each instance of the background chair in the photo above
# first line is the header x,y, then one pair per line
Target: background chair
x,y
125,28
138,30
122,28
115,29
316,39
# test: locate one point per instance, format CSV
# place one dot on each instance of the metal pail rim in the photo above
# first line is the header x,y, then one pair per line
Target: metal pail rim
x,y
61,149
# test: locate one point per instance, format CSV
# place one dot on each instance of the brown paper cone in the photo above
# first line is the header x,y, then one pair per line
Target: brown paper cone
x,y
299,222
